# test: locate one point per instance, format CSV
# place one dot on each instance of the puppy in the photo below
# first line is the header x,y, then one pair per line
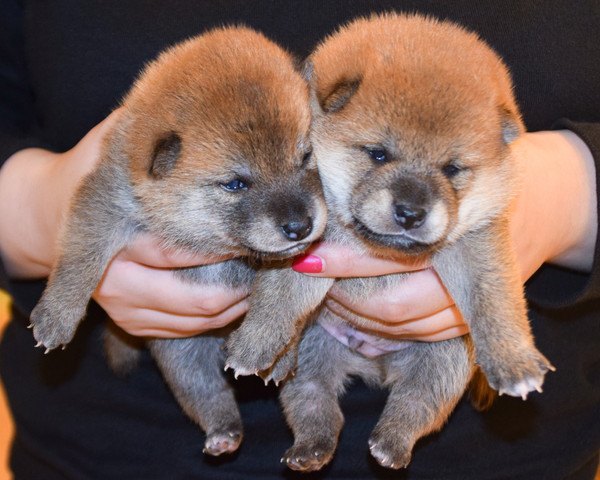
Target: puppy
x,y
412,124
211,155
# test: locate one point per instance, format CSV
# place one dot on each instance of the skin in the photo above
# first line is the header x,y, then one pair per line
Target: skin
x,y
554,220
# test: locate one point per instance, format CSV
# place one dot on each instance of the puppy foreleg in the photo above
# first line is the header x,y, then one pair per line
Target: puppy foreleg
x,y
482,276
280,305
97,228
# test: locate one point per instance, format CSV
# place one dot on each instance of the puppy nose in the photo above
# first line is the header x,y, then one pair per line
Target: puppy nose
x,y
298,230
409,217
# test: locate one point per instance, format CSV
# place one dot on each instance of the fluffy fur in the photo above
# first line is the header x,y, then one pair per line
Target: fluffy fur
x,y
210,154
412,124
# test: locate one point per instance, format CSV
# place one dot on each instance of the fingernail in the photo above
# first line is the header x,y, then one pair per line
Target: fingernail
x,y
308,264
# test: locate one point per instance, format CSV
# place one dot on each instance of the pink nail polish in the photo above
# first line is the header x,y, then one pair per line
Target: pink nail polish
x,y
308,264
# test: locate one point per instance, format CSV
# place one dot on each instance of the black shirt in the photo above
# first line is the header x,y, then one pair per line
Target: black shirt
x,y
65,64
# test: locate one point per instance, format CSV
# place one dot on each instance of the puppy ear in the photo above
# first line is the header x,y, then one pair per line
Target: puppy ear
x,y
336,97
165,155
511,124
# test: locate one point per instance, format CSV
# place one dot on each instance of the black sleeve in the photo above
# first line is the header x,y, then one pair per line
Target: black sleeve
x,y
17,115
585,287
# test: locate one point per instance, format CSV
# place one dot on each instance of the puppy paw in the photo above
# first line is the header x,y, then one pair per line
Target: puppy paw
x,y
218,443
283,368
248,356
51,328
521,373
308,457
389,452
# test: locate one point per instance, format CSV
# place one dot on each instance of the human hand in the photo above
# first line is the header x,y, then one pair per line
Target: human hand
x,y
553,219
141,294
137,290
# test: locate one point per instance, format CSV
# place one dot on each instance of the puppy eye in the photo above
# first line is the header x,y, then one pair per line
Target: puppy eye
x,y
306,158
378,155
451,170
235,185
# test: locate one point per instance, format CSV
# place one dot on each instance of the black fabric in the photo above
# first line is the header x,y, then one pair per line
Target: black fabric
x,y
65,64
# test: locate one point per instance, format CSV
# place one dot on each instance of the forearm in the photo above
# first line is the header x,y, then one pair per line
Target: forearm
x,y
557,201
34,185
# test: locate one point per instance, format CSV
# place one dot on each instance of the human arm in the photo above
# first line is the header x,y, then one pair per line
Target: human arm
x,y
553,220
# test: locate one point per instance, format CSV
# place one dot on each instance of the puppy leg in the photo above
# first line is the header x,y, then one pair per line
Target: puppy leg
x,y
310,400
482,276
122,350
97,228
280,305
192,368
427,380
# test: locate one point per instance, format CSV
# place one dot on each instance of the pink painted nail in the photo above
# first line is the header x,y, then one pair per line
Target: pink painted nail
x,y
308,264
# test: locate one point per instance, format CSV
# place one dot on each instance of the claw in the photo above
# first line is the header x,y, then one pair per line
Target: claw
x,y
539,389
236,375
266,380
63,347
47,351
38,344
227,367
30,326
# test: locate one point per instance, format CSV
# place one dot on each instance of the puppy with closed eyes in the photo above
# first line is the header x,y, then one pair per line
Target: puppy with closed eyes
x,y
412,124
210,154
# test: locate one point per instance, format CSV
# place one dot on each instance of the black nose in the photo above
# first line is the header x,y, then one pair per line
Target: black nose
x,y
409,217
298,230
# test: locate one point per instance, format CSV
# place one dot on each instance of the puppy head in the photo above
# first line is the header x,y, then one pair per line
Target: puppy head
x,y
219,149
412,122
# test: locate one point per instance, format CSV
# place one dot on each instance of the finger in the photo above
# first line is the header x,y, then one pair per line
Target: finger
x,y
152,323
413,329
334,260
148,250
135,285
447,334
420,294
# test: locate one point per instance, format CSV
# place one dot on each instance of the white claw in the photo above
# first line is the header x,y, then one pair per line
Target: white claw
x,y
236,375
227,367
47,351
63,347
282,460
539,389
266,380
30,326
38,344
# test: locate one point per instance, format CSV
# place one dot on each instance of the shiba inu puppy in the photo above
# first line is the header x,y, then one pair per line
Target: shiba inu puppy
x,y
412,124
211,154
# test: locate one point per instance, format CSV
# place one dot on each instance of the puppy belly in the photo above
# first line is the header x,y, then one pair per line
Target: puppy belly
x,y
370,346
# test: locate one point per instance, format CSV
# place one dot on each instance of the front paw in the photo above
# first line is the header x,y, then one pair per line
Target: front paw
x,y
52,328
248,356
518,374
283,367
